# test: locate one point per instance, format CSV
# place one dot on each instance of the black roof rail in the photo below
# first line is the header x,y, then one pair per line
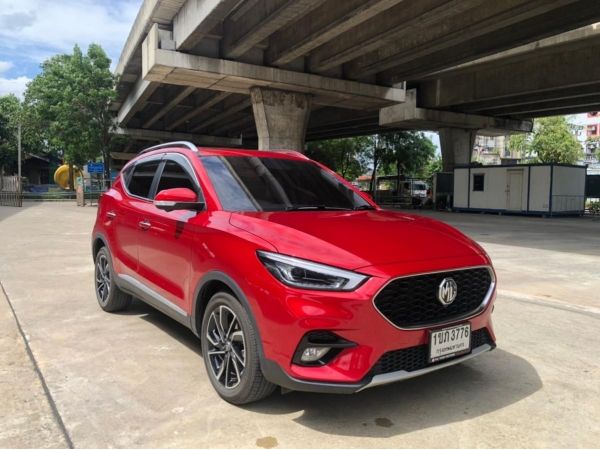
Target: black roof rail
x,y
184,144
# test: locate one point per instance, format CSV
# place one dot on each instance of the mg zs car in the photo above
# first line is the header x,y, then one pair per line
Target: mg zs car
x,y
289,276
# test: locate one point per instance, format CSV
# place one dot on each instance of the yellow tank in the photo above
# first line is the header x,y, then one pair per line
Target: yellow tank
x,y
61,175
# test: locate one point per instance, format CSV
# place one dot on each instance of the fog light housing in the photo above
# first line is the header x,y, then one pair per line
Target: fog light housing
x,y
318,348
312,354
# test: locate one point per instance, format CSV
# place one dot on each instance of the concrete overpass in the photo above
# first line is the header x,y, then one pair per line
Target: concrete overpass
x,y
272,73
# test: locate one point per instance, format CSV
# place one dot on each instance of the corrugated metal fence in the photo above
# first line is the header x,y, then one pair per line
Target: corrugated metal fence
x,y
10,191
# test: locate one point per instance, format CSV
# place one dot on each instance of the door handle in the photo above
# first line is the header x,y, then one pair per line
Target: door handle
x,y
111,214
144,224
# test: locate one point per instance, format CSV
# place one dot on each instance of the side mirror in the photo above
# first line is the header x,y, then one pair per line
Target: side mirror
x,y
178,198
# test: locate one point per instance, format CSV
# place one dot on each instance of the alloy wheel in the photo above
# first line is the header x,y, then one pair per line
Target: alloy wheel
x,y
226,347
102,278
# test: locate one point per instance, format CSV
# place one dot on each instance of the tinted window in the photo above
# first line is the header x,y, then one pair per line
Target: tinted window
x,y
141,178
246,183
174,176
478,182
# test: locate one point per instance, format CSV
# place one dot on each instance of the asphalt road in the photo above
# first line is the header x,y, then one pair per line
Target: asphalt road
x,y
70,373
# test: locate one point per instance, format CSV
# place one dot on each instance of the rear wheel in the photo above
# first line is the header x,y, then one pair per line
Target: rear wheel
x,y
230,351
109,296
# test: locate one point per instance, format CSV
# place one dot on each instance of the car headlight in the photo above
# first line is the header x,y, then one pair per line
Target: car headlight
x,y
304,274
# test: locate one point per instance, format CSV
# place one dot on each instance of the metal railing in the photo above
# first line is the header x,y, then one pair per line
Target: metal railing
x,y
10,191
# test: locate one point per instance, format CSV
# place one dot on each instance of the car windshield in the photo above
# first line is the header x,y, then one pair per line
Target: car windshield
x,y
249,183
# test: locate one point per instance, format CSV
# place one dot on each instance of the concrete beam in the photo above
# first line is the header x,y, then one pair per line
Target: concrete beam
x,y
579,37
197,18
233,109
136,100
540,74
568,15
166,136
260,22
173,67
151,12
401,20
185,92
205,106
237,123
409,116
122,156
323,24
448,33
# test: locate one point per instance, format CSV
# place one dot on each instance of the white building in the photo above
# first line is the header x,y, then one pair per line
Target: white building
x,y
534,189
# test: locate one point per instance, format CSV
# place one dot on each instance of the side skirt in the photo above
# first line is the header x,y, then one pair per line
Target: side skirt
x,y
139,290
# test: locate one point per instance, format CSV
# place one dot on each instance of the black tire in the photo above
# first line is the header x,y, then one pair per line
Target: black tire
x,y
109,296
240,365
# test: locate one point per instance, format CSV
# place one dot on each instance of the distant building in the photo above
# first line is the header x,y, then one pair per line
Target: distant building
x,y
493,150
589,136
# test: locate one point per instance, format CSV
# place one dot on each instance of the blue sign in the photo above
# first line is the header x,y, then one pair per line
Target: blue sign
x,y
95,167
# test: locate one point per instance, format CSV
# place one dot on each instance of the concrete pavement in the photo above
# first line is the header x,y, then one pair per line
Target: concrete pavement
x,y
137,379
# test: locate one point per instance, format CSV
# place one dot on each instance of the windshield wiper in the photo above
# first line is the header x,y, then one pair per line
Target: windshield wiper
x,y
361,207
317,208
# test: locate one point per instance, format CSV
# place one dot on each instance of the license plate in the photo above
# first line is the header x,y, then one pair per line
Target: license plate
x,y
449,342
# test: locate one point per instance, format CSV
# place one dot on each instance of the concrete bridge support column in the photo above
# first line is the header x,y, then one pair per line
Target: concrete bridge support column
x,y
457,146
281,118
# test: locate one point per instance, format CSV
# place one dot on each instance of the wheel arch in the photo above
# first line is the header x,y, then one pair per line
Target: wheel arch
x,y
210,284
98,242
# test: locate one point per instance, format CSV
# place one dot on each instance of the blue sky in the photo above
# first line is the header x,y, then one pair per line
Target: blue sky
x,y
33,30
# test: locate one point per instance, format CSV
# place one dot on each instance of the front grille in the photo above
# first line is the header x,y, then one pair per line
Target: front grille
x,y
415,358
412,301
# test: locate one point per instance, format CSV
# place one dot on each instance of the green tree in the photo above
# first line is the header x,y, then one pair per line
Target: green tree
x,y
12,113
406,152
520,143
346,156
592,143
554,141
69,105
434,165
10,108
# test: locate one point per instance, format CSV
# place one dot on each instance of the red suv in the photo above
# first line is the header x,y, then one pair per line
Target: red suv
x,y
289,275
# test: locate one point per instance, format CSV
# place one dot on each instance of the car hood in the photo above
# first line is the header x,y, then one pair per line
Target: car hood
x,y
355,239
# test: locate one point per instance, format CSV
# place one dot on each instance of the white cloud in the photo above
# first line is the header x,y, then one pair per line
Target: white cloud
x,y
41,28
5,66
15,86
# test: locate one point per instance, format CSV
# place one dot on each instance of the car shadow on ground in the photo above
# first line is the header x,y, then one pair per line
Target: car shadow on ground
x,y
462,392
173,328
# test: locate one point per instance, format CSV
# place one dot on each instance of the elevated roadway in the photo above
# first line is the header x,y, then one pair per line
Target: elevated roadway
x,y
275,73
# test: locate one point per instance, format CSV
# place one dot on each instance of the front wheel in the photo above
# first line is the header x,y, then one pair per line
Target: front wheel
x,y
230,351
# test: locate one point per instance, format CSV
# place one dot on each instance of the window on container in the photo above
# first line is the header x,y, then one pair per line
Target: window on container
x,y
478,182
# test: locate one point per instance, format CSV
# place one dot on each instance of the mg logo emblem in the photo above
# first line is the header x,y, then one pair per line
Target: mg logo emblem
x,y
447,291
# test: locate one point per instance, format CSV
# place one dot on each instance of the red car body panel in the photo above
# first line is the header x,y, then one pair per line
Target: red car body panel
x,y
181,248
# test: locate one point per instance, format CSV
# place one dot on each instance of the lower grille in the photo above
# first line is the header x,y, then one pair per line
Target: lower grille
x,y
415,358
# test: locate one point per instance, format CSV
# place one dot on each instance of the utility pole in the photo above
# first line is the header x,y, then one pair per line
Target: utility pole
x,y
19,154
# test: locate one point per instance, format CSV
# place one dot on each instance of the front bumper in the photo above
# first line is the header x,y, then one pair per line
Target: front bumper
x,y
273,372
287,315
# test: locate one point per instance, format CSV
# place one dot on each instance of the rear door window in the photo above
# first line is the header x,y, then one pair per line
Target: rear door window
x,y
142,177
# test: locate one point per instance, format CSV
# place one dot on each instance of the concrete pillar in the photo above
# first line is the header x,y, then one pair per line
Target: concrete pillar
x,y
457,146
281,118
